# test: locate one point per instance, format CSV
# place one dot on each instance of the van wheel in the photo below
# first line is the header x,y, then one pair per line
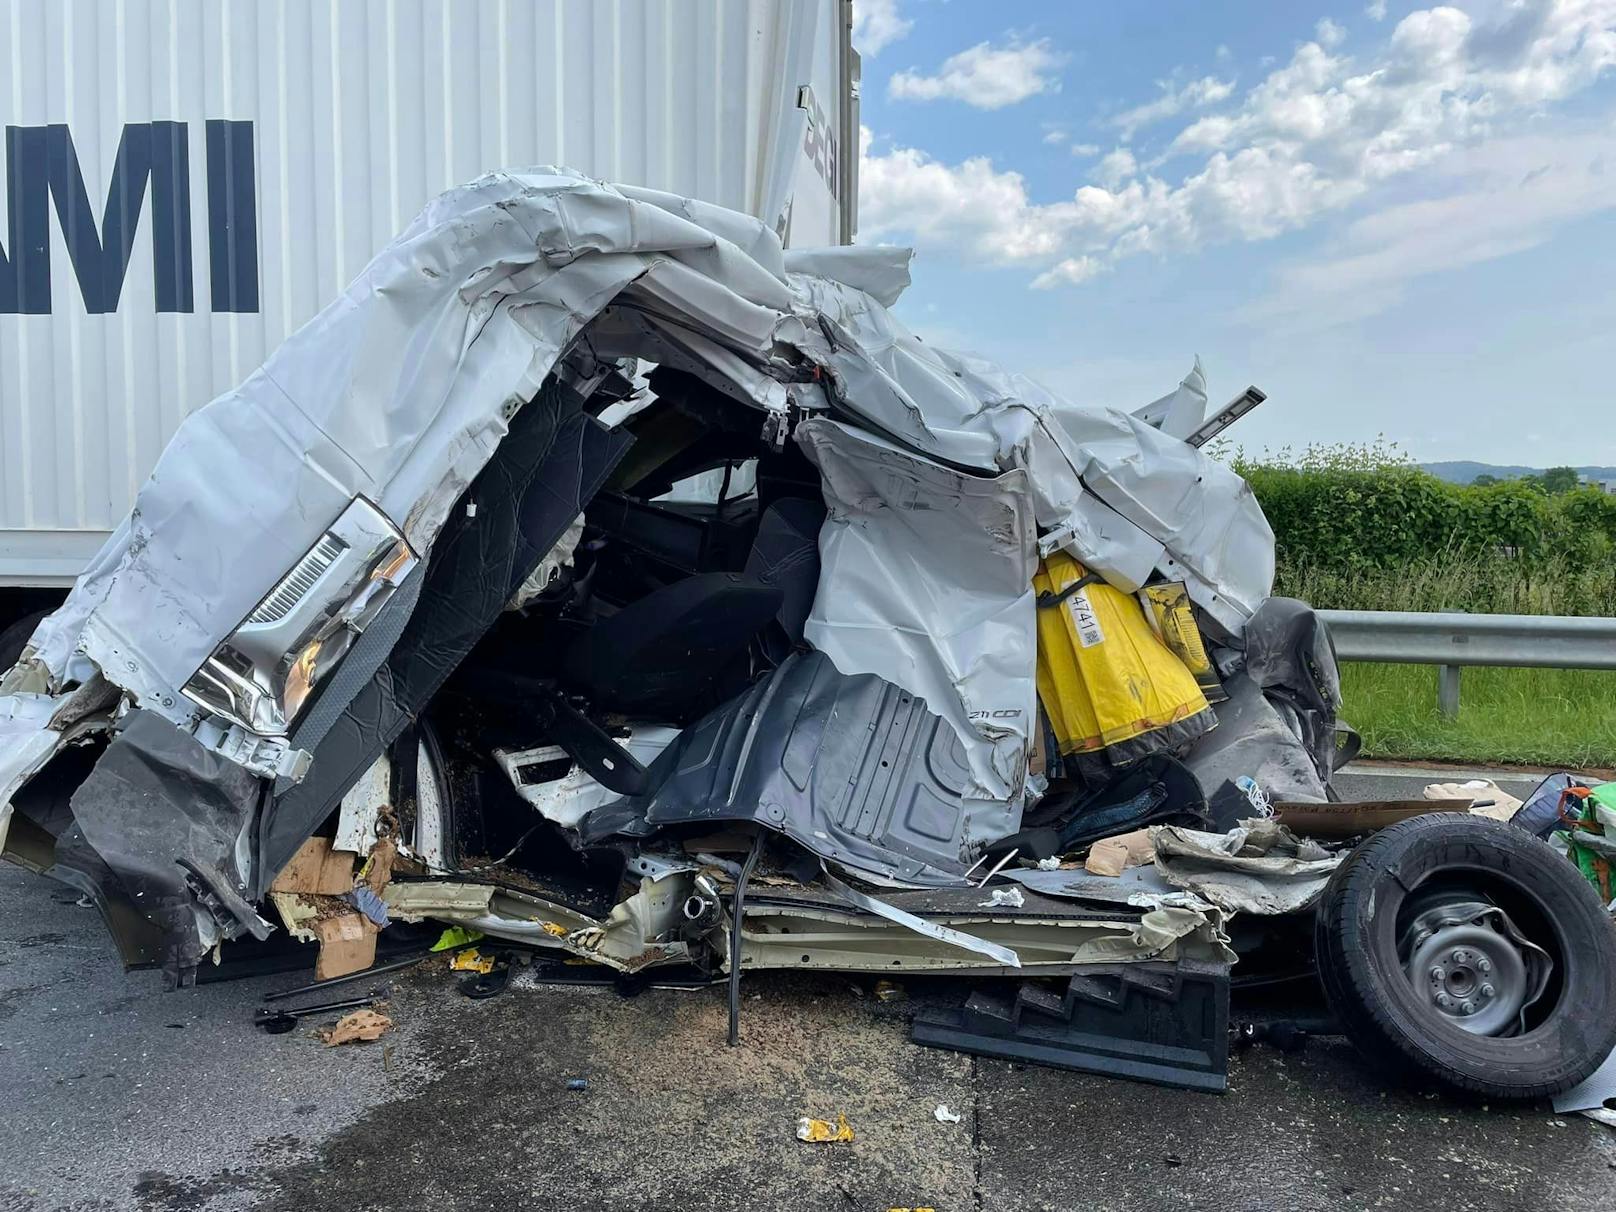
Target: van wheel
x,y
15,638
1472,952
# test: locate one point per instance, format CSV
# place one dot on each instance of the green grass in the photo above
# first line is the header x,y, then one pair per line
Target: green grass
x,y
1540,717
1480,584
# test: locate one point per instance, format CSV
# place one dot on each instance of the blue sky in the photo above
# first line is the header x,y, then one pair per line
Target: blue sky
x,y
1395,218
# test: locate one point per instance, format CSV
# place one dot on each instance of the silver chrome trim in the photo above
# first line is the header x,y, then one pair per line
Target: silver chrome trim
x,y
299,581
264,673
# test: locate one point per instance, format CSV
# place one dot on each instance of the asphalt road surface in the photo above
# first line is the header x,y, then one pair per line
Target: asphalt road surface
x,y
116,1095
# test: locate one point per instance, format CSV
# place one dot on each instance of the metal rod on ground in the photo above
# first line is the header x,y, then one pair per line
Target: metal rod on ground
x,y
343,980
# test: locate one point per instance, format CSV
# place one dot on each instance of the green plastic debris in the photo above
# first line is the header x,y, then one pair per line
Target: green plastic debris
x,y
1591,840
456,936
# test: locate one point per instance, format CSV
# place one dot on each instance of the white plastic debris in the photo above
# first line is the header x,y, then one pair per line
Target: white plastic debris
x,y
1260,803
1049,864
944,1116
1489,798
1010,897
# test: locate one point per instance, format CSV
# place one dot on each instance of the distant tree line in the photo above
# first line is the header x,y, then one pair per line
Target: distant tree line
x,y
1554,481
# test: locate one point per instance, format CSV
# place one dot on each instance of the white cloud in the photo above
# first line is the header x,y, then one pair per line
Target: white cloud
x,y
1116,167
985,76
877,24
1055,134
1085,149
1376,10
1506,196
1073,271
1329,33
1314,136
970,207
1208,90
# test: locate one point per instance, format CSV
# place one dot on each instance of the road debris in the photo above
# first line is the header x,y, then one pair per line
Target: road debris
x,y
471,960
944,1116
1114,855
1487,797
281,1020
361,1025
823,1132
1008,897
455,937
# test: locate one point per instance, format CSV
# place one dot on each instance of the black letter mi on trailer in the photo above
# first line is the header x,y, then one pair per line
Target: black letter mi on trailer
x,y
43,174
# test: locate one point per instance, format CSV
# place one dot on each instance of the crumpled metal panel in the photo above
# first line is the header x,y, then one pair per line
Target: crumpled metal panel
x,y
1289,654
856,769
157,799
1253,740
1121,495
926,581
399,390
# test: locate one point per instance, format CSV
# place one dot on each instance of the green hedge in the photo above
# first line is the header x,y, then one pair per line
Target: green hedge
x,y
1362,528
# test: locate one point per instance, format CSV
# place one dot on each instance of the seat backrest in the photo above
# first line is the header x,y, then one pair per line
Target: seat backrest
x,y
660,656
785,554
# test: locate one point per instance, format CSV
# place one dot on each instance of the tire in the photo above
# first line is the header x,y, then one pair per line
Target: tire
x,y
1568,1031
14,639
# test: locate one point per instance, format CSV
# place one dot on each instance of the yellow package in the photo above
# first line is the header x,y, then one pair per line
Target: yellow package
x,y
471,960
823,1132
1105,679
1173,618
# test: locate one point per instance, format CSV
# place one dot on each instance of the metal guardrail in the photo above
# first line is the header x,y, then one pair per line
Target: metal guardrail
x,y
1452,641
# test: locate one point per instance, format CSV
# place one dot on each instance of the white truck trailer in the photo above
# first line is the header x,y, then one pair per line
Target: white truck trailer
x,y
188,181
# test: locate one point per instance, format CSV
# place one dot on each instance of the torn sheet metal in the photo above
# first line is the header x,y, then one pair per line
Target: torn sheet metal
x,y
569,796
926,581
1119,494
943,934
1084,885
1258,867
880,271
1161,929
1181,411
641,930
361,810
1047,937
853,768
27,742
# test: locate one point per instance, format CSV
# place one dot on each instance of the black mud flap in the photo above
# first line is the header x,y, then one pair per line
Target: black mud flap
x,y
1158,1022
155,830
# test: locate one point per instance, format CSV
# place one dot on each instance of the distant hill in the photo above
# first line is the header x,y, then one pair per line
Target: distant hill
x,y
1463,471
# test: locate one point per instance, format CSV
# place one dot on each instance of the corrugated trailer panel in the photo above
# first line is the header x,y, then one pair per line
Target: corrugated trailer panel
x,y
312,132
